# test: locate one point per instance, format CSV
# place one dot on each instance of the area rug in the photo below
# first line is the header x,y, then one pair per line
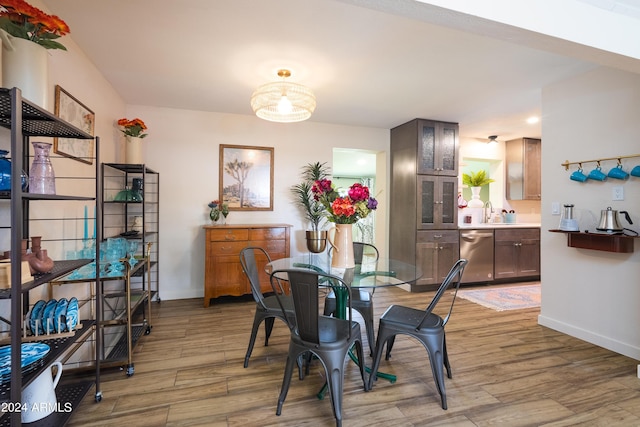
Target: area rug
x,y
504,298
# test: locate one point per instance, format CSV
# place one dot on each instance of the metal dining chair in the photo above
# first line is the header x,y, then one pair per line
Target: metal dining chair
x,y
423,325
267,308
361,299
328,338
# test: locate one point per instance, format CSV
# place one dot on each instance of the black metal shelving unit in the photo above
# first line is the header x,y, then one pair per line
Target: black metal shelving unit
x,y
25,120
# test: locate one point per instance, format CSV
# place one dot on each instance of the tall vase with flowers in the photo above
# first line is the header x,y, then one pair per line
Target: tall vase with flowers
x,y
344,211
27,32
133,133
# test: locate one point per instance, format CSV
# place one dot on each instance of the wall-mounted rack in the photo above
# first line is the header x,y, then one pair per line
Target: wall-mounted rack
x,y
567,163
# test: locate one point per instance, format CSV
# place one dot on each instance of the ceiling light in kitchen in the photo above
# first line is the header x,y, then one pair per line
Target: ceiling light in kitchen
x,y
533,120
493,139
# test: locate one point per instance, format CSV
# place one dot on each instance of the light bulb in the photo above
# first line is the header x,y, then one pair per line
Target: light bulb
x,y
284,106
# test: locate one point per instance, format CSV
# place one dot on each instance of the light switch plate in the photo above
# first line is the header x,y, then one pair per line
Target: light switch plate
x,y
618,192
555,208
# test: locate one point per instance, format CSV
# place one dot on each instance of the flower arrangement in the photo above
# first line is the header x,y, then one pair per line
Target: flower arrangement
x,y
357,204
23,21
133,127
217,208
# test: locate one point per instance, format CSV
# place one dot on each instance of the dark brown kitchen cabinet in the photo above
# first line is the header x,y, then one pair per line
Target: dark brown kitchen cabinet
x,y
436,252
423,197
523,158
437,202
517,253
437,147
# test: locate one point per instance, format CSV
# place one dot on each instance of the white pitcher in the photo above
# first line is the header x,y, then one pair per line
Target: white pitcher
x,y
39,398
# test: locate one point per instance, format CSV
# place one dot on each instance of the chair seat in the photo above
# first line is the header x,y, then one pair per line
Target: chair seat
x,y
335,331
271,302
406,316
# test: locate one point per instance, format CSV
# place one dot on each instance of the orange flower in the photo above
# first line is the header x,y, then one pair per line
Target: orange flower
x,y
133,127
21,20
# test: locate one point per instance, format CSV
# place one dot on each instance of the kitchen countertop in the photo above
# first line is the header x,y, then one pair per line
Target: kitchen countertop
x,y
499,225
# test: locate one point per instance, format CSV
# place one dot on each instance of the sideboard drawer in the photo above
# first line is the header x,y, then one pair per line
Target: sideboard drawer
x,y
227,248
267,233
228,234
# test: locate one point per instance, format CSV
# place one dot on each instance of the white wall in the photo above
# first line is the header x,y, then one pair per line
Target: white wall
x,y
592,295
183,146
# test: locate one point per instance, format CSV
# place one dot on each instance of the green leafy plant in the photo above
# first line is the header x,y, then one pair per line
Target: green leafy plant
x,y
313,210
476,179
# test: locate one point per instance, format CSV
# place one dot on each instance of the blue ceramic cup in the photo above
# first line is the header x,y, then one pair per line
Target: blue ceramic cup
x,y
578,176
635,171
597,174
618,173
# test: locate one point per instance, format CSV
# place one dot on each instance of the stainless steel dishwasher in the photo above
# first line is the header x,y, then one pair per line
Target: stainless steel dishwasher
x,y
477,247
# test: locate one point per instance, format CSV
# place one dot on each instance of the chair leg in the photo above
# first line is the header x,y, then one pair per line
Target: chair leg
x,y
336,383
446,356
368,325
252,339
268,327
286,380
377,354
436,361
389,347
329,307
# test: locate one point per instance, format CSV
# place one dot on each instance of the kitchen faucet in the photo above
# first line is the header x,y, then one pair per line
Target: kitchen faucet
x,y
487,215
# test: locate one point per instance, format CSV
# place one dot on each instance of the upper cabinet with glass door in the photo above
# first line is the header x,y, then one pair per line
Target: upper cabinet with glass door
x,y
437,148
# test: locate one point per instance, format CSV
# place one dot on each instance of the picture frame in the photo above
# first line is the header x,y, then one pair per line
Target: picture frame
x,y
246,177
68,108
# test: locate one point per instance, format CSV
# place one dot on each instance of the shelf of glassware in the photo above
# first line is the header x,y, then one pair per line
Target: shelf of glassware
x,y
121,306
606,242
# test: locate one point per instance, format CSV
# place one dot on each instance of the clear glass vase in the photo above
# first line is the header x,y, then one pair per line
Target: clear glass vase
x,y
42,179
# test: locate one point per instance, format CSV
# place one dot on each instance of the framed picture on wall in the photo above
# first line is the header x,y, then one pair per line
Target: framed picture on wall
x,y
73,111
246,177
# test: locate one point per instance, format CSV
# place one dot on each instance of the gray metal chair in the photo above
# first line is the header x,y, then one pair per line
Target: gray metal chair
x,y
361,299
267,308
328,338
423,325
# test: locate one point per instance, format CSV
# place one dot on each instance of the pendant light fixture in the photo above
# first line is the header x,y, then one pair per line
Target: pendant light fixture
x,y
283,101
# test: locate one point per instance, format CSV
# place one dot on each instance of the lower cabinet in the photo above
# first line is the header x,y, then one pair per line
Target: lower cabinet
x,y
517,253
223,275
436,252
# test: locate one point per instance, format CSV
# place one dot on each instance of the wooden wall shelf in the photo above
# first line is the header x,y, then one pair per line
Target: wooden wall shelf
x,y
619,243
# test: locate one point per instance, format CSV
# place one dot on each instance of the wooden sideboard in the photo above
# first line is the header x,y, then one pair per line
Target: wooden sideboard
x,y
223,273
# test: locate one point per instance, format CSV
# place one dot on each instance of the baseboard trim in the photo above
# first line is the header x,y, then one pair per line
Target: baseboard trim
x,y
590,337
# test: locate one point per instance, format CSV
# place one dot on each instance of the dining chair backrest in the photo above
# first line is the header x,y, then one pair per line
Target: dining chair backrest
x,y
304,285
361,249
250,266
453,279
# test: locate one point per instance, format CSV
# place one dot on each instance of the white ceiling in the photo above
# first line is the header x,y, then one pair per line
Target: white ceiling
x,y
375,63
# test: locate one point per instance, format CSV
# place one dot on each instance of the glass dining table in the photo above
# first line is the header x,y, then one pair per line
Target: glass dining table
x,y
370,274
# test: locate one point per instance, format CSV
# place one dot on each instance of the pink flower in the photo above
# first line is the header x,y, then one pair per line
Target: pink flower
x,y
358,192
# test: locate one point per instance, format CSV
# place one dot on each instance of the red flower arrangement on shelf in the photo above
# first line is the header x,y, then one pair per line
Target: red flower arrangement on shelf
x,y
21,20
133,127
357,204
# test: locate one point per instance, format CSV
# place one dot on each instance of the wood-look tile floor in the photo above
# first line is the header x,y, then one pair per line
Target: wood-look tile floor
x,y
507,370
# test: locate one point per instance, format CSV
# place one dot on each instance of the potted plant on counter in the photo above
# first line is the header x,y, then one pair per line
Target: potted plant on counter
x,y
475,180
311,208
